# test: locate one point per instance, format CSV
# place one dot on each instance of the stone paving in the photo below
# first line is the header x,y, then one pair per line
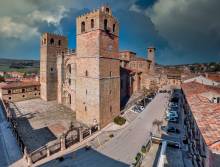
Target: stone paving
x,y
40,122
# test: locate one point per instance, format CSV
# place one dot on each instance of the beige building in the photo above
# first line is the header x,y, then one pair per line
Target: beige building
x,y
19,91
86,80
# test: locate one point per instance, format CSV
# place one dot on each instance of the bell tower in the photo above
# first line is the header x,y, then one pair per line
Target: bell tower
x,y
51,46
98,65
151,57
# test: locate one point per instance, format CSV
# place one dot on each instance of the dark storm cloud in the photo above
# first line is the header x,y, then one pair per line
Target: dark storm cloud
x,y
137,32
144,4
191,27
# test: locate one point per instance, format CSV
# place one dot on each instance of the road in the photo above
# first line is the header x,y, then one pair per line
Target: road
x,y
125,146
121,150
9,150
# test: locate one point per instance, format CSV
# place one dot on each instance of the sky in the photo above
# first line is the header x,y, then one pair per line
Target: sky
x,y
183,31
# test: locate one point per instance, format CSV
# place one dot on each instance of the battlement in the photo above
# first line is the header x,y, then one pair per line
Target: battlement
x,y
52,39
104,9
99,19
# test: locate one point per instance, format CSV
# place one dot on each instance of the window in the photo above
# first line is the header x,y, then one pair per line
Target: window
x,y
59,42
110,73
105,24
9,98
23,90
83,27
23,95
45,41
113,27
86,73
35,94
51,69
85,108
69,68
86,91
35,88
9,91
110,108
107,10
69,81
51,41
69,98
110,92
92,23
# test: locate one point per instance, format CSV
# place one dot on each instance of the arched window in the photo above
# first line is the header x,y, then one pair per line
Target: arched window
x,y
51,41
105,24
86,73
92,23
69,98
83,26
113,28
69,68
59,42
107,10
45,41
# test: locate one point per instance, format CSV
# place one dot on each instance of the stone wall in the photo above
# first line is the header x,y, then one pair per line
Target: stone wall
x,y
51,46
18,94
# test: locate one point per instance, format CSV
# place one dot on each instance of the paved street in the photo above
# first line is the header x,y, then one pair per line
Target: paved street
x,y
125,146
9,151
120,150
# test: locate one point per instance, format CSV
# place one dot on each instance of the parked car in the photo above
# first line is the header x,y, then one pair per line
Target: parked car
x,y
174,108
172,115
171,104
173,130
173,144
174,120
168,111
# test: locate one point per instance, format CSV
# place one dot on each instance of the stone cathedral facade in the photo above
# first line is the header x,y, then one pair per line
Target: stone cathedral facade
x,y
88,79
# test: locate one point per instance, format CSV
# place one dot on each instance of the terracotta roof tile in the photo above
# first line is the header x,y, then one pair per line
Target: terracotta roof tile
x,y
206,114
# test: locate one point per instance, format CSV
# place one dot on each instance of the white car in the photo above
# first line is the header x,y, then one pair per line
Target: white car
x,y
174,115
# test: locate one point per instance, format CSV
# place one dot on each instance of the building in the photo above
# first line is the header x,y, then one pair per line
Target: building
x,y
202,109
208,80
89,79
19,91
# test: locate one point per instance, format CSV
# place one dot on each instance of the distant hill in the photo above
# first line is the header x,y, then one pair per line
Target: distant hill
x,y
27,66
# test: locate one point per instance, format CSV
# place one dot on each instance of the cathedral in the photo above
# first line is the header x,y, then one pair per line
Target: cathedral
x,y
93,79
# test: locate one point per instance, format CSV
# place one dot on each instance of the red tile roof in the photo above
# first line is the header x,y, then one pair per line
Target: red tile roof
x,y
206,114
19,84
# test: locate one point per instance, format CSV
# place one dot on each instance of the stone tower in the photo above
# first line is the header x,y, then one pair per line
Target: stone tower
x,y
98,75
151,57
51,45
